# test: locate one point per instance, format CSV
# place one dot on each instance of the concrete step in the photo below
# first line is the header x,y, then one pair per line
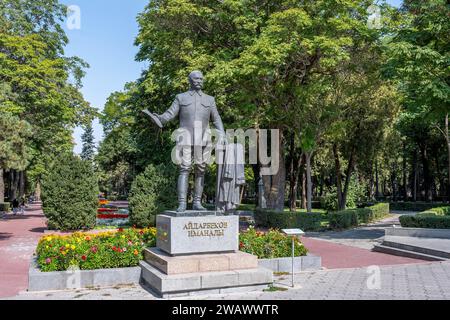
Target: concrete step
x,y
428,246
405,253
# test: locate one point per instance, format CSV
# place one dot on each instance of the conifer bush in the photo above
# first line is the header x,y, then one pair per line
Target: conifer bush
x,y
152,192
70,194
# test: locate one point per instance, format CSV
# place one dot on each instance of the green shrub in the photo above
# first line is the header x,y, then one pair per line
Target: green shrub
x,y
353,217
434,218
69,194
270,245
425,220
355,195
94,251
439,211
152,192
282,220
412,206
343,219
5,207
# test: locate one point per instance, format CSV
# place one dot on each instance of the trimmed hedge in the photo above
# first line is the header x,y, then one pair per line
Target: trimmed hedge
x,y
353,217
282,220
343,219
425,221
434,218
412,206
5,207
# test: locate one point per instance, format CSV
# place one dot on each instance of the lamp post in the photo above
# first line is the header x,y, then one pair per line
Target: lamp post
x,y
293,233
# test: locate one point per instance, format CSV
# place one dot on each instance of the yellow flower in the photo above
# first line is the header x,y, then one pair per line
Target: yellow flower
x,y
123,237
72,247
47,247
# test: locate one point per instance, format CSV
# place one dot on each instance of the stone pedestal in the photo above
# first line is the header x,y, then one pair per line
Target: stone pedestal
x,y
197,234
197,253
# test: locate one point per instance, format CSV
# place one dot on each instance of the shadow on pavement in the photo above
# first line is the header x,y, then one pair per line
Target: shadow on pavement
x,y
5,235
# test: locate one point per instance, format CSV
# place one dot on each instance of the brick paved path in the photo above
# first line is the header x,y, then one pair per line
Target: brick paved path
x,y
18,238
335,255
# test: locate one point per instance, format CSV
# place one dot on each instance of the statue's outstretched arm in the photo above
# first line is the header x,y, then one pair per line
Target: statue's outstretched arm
x,y
171,113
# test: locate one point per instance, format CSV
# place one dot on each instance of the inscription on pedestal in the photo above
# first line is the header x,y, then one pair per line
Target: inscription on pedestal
x,y
186,235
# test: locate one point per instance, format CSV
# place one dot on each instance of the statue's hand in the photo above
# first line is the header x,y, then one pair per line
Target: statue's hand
x,y
155,117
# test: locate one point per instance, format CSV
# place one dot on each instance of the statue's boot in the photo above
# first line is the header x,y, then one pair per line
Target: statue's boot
x,y
198,192
182,189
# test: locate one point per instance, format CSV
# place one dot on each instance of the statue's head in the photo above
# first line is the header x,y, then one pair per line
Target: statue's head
x,y
196,80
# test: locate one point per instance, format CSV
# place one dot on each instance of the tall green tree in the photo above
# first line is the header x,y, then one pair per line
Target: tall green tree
x,y
14,152
38,83
419,59
87,138
256,54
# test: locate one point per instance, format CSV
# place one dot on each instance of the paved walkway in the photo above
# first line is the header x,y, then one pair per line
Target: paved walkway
x,y
401,282
18,239
19,236
364,236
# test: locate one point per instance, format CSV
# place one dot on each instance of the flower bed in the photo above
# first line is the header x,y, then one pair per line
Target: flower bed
x,y
94,251
112,216
272,244
124,248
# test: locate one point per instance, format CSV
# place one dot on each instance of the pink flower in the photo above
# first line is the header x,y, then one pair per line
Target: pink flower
x,y
124,249
48,261
94,249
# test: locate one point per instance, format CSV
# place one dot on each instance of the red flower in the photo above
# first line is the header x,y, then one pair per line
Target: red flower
x,y
83,258
241,245
114,248
120,229
141,232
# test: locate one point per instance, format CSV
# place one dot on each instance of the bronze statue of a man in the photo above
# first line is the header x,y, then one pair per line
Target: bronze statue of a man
x,y
195,110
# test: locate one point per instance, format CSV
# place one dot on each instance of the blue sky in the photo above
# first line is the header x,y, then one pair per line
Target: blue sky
x,y
105,40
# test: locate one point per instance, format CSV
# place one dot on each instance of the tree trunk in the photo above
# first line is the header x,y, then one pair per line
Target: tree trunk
x,y
256,170
377,181
303,187
394,181
308,182
2,187
351,163
14,183
337,165
21,184
447,138
405,183
426,172
415,173
275,185
294,183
